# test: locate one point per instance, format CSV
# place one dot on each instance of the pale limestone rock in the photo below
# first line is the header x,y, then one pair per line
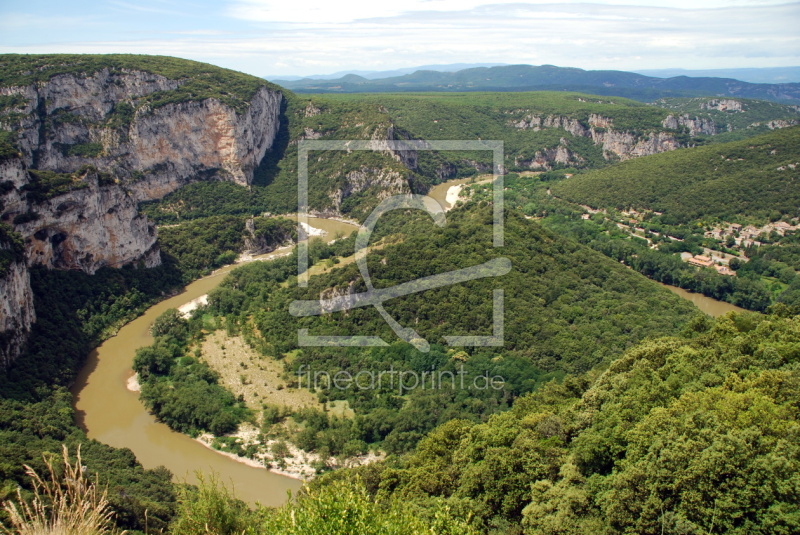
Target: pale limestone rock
x,y
151,155
696,125
16,310
161,149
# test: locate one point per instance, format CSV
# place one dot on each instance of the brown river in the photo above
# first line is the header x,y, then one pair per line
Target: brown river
x,y
112,414
710,306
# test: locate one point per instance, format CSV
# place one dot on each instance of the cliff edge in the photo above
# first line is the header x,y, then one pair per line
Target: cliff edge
x,y
84,139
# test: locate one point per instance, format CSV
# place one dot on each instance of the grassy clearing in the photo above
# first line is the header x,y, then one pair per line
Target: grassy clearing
x,y
258,379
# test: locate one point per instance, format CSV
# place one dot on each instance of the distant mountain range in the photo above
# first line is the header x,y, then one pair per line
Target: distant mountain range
x,y
764,75
551,78
373,75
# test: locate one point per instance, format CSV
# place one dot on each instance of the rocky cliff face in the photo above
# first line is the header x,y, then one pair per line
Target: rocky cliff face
x,y
16,304
113,144
723,104
89,227
695,125
615,143
72,120
85,228
544,159
384,183
626,145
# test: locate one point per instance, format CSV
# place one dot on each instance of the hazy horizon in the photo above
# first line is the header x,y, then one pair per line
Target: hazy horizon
x,y
312,37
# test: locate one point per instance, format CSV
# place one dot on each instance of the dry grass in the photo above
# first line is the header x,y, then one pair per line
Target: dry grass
x,y
66,504
257,378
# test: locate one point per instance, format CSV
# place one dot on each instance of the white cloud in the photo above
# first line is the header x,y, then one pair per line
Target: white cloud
x,y
327,12
310,36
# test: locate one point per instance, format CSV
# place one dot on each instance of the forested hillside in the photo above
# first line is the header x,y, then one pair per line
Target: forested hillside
x,y
540,131
567,310
693,434
749,180
755,194
508,78
696,433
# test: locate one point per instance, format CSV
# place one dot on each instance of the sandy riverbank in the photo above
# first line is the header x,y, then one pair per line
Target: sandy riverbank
x,y
186,310
298,464
451,198
133,383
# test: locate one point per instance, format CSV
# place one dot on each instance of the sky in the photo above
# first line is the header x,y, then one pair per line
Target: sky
x,y
305,37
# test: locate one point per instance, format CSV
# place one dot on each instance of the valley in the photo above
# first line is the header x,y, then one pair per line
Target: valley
x,y
149,262
104,381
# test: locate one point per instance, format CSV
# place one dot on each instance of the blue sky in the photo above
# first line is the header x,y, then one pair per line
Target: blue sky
x,y
302,37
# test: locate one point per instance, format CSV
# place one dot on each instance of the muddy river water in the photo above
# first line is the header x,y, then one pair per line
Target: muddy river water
x,y
112,414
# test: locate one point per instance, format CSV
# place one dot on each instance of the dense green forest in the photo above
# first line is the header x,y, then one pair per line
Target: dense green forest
x,y
198,246
567,310
689,434
556,287
743,181
180,390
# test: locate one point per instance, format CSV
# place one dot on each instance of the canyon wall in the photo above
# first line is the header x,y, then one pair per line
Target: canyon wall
x,y
90,148
16,299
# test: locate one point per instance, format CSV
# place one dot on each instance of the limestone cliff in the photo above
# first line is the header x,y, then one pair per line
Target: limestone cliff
x,y
93,224
107,120
383,182
615,143
16,298
695,125
544,159
93,141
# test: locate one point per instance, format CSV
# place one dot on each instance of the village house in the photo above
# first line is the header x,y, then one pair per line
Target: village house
x,y
701,261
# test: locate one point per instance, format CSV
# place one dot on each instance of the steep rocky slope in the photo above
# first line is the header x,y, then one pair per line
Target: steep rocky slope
x,y
124,121
86,138
16,298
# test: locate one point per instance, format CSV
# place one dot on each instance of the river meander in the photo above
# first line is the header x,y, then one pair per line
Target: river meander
x,y
112,414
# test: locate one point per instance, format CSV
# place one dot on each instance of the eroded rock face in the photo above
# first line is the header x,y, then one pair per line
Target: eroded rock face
x,y
87,228
71,121
383,182
16,309
626,145
75,120
544,159
615,143
136,152
723,104
180,142
695,125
